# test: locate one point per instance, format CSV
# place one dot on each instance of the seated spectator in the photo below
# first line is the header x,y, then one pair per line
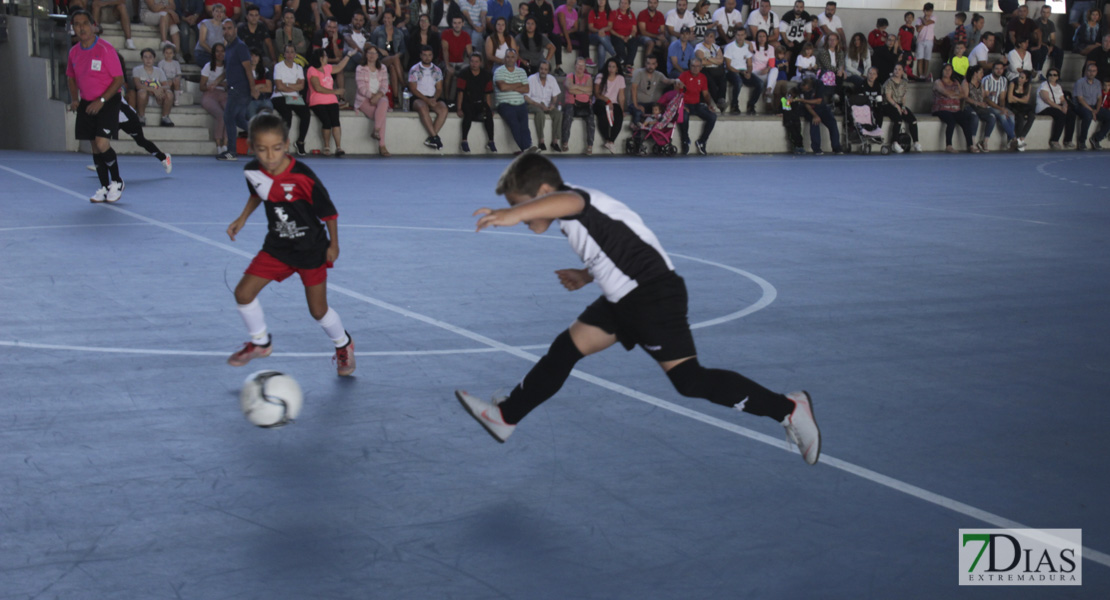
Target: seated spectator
x,y
806,65
543,101
829,23
577,104
895,109
980,53
975,34
1044,44
372,99
609,101
415,9
426,86
443,15
420,36
517,22
376,10
475,101
172,68
703,21
764,19
270,11
647,87
233,8
1088,106
498,45
818,111
713,66
1052,103
262,86
151,85
1088,35
510,83
306,16
289,33
885,57
599,25
210,33
740,62
214,86
1020,27
334,51
680,53
254,33
677,19
1103,112
534,49
390,42
163,15
765,66
947,44
569,33
324,99
289,95
857,61
498,9
873,91
456,50
960,63
830,60
356,37
474,19
1101,57
795,29
651,26
1019,59
117,6
994,86
343,11
1020,100
190,13
697,101
972,89
624,35
947,101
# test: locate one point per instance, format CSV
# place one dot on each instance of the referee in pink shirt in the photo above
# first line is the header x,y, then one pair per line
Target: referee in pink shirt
x,y
95,71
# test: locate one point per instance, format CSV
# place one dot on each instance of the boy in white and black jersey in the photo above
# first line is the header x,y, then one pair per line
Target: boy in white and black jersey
x,y
643,303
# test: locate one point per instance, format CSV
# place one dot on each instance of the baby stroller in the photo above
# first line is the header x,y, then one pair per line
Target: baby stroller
x,y
660,131
860,125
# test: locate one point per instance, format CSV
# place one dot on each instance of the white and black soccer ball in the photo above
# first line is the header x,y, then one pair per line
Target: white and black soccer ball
x,y
270,399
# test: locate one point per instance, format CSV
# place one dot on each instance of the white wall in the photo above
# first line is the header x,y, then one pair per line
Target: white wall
x,y
29,120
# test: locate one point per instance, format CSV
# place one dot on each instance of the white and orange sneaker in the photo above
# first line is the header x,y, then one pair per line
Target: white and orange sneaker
x,y
801,427
345,358
250,352
487,414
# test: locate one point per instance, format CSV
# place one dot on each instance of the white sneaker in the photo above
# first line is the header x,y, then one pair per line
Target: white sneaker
x,y
130,44
115,191
1021,143
801,427
100,196
897,148
917,146
488,415
91,168
168,164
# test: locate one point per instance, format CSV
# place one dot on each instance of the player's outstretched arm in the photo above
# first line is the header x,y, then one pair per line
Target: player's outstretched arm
x,y
574,279
551,206
237,224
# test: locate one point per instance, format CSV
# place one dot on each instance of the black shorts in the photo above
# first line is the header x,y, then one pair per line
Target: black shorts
x,y
653,315
103,124
328,115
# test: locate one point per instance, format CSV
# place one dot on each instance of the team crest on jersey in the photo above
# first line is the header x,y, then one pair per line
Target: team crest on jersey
x,y
288,187
286,228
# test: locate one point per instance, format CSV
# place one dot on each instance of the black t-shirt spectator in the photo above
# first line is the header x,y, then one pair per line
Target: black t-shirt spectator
x,y
304,12
335,51
1022,31
544,15
256,40
873,93
1101,58
412,40
475,87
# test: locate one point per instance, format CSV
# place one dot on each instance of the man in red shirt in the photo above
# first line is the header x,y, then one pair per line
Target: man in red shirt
x,y
456,50
698,102
652,34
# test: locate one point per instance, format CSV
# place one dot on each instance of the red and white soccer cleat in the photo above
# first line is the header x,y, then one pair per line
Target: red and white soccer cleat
x,y
801,427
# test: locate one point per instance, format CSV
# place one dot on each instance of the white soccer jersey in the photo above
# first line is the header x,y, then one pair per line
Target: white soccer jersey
x,y
619,251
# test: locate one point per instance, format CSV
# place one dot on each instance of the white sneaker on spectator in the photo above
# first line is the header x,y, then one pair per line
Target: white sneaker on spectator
x,y
897,148
115,191
801,427
168,164
917,146
488,415
100,196
130,44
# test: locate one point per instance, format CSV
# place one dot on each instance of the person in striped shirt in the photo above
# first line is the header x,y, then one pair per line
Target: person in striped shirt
x,y
994,95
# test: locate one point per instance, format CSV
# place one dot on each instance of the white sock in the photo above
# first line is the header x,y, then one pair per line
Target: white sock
x,y
255,322
333,326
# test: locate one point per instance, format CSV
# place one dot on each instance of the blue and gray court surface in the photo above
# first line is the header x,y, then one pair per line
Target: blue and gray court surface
x,y
948,314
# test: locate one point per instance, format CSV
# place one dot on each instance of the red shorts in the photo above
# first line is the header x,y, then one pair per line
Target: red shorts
x,y
267,267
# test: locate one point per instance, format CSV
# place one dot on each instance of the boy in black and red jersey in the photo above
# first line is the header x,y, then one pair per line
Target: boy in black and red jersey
x,y
302,238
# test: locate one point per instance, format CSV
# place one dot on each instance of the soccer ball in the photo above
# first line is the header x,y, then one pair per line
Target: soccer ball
x,y
270,399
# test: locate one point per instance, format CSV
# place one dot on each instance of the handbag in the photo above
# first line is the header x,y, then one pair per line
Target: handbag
x,y
828,78
294,100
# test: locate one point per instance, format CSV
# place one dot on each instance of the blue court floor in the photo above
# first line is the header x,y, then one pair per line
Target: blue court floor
x,y
948,314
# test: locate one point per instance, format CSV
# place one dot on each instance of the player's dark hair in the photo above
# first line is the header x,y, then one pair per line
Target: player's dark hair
x,y
266,122
527,174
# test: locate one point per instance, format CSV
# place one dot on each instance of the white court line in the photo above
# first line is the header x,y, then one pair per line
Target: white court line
x,y
847,467
163,352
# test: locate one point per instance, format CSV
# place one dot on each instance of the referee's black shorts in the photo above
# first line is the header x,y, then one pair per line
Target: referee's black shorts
x,y
653,315
103,124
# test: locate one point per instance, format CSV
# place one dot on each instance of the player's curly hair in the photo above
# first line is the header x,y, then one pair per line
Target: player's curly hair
x,y
267,121
527,173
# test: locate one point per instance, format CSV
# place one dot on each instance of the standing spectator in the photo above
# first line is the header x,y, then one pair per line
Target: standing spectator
x,y
569,33
728,19
534,48
1088,106
324,100
830,23
677,19
1088,35
426,85
289,33
474,18
254,33
1019,59
543,101
498,45
390,41
651,25
947,106
925,30
475,101
680,53
260,83
163,15
1020,100
980,53
213,82
94,75
1045,45
895,109
624,35
697,101
577,104
713,66
239,89
420,36
907,36
151,84
703,21
172,68
289,95
456,49
819,112
741,72
1020,27
210,33
510,83
609,102
858,60
372,99
994,94
764,19
599,23
1052,103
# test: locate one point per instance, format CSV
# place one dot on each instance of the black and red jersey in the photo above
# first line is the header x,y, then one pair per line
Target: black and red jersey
x,y
296,203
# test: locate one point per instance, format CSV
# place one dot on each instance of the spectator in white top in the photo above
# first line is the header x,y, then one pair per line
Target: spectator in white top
x,y
426,86
981,52
543,101
172,68
858,60
151,84
764,19
796,28
728,19
677,18
738,57
1052,103
713,66
288,98
830,23
1019,59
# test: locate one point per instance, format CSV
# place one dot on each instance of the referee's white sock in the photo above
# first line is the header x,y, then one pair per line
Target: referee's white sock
x,y
255,322
333,326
